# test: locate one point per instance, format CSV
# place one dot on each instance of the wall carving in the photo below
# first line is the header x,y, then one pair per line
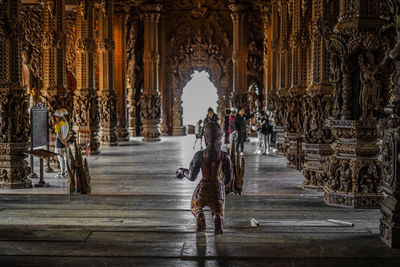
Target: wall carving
x,y
71,39
32,39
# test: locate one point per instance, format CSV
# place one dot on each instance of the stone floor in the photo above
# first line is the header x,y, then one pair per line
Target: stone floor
x,y
139,215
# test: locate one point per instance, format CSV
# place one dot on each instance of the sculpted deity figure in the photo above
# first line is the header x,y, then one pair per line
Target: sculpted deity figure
x,y
367,182
335,78
369,95
211,189
343,173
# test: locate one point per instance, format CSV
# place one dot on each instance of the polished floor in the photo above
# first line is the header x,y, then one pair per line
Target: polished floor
x,y
139,215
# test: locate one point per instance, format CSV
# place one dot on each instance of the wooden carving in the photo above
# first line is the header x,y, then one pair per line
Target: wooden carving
x,y
238,169
32,38
78,172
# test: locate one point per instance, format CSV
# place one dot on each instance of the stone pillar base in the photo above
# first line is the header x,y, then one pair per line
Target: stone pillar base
x,y
13,167
26,183
122,134
178,131
314,171
132,131
151,130
280,142
351,200
291,152
390,234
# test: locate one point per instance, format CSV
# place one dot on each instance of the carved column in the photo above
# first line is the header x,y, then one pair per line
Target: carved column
x,y
176,96
150,100
283,72
298,79
120,74
54,93
389,128
14,125
164,89
318,102
107,95
273,102
239,55
357,46
86,113
131,78
390,209
266,17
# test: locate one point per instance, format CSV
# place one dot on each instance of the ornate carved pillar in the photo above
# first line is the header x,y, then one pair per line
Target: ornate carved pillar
x,y
119,34
298,79
283,73
357,46
266,17
176,95
54,93
131,78
239,55
389,129
390,209
14,125
318,102
86,113
107,95
150,100
164,88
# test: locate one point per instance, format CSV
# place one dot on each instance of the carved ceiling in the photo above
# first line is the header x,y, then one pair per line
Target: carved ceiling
x,y
172,4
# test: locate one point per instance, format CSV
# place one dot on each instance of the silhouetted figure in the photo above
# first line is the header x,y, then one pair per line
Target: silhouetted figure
x,y
198,132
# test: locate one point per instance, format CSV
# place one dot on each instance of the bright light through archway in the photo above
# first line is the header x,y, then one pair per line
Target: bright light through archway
x,y
198,95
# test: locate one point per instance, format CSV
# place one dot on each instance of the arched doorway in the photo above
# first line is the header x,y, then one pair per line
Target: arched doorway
x,y
198,95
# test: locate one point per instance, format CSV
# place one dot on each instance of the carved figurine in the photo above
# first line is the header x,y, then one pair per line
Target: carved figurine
x,y
335,78
367,181
343,173
211,190
78,172
369,95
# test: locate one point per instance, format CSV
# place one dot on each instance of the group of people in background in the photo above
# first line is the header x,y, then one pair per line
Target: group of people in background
x,y
235,128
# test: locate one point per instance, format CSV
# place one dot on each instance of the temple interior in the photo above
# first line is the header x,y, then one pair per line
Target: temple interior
x,y
130,79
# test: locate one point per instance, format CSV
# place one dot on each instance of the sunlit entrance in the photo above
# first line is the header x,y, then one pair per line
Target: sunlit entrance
x,y
198,95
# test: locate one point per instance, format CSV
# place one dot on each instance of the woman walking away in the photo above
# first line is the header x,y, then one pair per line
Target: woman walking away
x,y
240,127
269,131
232,138
257,127
198,132
226,125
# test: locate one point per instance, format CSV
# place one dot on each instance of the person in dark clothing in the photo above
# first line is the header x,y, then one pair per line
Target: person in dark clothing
x,y
240,126
211,116
226,125
265,131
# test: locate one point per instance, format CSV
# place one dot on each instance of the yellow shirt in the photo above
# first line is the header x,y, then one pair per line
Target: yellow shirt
x,y
61,128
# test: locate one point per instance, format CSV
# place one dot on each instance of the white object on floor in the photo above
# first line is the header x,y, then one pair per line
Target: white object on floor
x,y
241,153
298,223
350,224
253,222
